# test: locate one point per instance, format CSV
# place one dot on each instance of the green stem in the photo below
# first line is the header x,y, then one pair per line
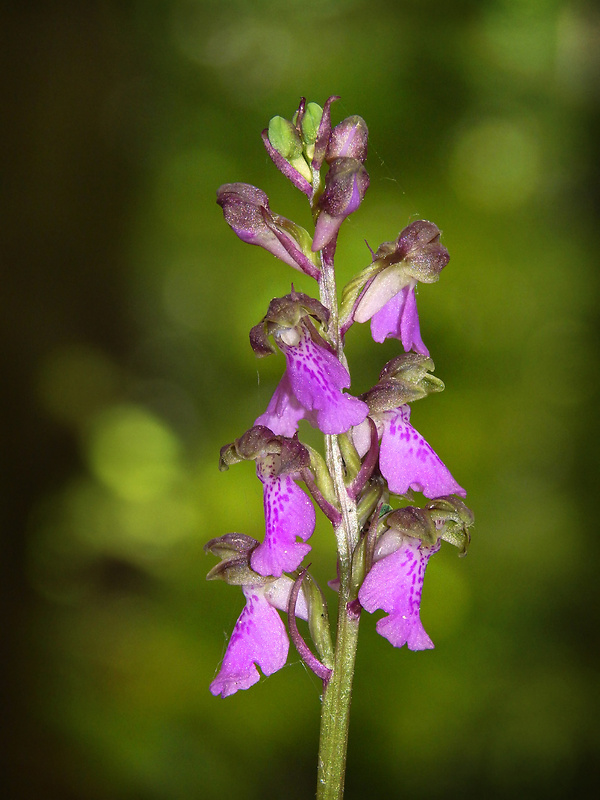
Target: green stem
x,y
335,709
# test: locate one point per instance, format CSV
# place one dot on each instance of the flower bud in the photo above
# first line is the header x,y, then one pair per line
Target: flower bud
x,y
246,211
309,126
346,184
286,140
348,140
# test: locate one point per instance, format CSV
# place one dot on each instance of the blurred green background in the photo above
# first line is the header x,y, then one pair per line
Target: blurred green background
x,y
127,366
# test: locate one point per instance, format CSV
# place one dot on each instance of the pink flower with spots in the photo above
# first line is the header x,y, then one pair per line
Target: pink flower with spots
x,y
394,584
289,513
259,637
311,388
406,460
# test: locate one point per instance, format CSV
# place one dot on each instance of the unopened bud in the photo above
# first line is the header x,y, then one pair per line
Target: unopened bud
x,y
346,184
309,126
348,140
286,140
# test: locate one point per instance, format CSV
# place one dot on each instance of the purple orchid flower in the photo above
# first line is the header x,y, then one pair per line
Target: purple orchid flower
x,y
394,584
259,637
311,388
288,513
288,510
346,184
406,460
388,297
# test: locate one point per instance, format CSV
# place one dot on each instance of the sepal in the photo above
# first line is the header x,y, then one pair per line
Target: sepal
x,y
418,249
412,521
234,550
404,379
452,519
259,443
284,317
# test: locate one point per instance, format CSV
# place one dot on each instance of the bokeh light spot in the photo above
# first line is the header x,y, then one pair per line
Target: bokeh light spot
x,y
133,453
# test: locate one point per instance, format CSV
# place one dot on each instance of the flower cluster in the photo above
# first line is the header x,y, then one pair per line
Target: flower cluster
x,y
381,457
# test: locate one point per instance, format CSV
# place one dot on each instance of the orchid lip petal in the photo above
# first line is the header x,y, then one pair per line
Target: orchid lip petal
x,y
399,318
317,378
289,513
311,389
394,584
259,637
407,461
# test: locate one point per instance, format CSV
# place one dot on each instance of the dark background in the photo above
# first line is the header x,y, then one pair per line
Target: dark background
x,y
126,366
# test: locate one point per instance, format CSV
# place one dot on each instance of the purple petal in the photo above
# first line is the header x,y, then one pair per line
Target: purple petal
x,y
284,412
394,584
410,331
317,378
399,319
407,460
259,637
288,513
